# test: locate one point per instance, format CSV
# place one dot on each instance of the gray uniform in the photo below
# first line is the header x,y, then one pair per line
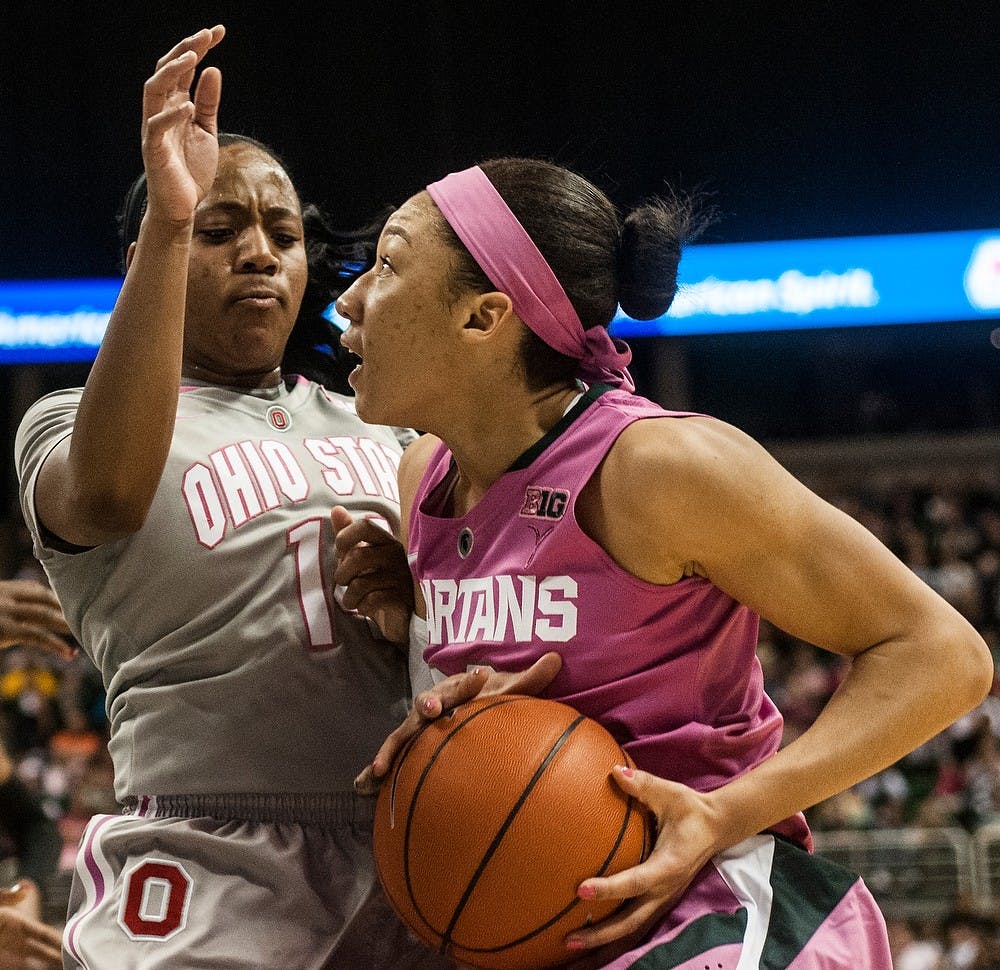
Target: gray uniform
x,y
242,699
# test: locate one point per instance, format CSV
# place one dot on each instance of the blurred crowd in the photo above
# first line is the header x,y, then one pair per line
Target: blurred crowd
x,y
951,538
54,726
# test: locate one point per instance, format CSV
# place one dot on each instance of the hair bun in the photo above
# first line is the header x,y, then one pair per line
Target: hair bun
x,y
652,237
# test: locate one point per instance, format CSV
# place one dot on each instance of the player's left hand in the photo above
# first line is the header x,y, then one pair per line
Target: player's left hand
x,y
687,836
374,574
449,693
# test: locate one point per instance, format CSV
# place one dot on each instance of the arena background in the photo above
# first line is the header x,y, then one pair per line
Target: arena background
x,y
799,119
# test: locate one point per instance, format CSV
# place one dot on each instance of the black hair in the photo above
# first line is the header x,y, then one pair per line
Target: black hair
x,y
335,259
601,260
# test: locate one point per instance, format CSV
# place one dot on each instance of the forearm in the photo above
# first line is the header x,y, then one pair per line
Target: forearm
x,y
124,424
894,698
125,419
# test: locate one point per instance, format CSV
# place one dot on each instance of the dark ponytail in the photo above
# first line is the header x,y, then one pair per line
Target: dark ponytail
x,y
650,253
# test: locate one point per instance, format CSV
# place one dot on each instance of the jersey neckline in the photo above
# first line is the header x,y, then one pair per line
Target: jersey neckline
x,y
533,451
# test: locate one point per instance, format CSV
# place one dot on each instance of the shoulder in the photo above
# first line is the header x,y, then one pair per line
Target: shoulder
x,y
46,421
690,449
416,458
700,469
674,495
60,402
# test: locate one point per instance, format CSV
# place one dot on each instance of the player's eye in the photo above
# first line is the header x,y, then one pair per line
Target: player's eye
x,y
216,234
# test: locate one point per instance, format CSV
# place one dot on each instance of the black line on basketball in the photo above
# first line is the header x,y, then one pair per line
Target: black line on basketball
x,y
399,765
498,838
573,903
500,700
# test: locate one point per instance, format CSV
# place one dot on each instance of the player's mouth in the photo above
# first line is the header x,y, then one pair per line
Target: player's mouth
x,y
262,298
358,364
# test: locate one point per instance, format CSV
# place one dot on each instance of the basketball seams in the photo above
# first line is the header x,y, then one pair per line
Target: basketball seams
x,y
415,798
499,837
431,891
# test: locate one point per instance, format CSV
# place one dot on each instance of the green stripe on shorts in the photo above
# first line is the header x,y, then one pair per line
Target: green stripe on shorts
x,y
807,888
705,933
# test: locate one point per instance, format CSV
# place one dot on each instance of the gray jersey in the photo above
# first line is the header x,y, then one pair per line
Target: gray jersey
x,y
228,664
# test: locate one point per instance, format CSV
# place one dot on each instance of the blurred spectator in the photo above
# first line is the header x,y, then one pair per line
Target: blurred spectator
x,y
910,949
968,942
27,834
30,615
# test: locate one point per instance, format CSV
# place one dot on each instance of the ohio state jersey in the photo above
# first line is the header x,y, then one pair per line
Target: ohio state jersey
x,y
228,664
671,671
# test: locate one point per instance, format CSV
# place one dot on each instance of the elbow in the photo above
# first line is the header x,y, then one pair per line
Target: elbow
x,y
969,670
114,515
95,517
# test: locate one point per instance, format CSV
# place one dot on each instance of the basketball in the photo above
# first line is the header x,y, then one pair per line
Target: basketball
x,y
490,818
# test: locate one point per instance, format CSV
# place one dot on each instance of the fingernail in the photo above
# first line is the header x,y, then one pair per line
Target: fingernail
x,y
625,770
428,704
572,943
587,892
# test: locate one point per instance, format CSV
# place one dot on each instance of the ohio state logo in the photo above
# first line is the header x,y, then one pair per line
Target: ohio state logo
x,y
278,418
544,503
155,902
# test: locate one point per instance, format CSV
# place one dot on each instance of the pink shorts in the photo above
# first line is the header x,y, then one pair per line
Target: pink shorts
x,y
768,905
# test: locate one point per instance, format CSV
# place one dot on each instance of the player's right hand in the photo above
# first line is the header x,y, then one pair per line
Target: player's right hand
x,y
448,693
180,146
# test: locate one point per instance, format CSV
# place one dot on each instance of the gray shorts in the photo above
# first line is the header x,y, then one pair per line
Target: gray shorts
x,y
225,882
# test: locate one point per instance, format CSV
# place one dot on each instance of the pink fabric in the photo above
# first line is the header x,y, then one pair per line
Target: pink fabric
x,y
853,935
672,670
508,256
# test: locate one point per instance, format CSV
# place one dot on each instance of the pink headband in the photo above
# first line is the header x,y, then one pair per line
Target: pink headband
x,y
506,254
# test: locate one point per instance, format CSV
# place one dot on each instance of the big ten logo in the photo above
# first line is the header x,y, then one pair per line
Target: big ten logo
x,y
544,503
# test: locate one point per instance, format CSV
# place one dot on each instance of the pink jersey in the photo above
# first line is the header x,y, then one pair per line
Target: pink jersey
x,y
671,671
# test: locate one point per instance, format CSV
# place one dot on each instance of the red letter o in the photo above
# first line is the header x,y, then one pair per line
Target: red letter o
x,y
145,919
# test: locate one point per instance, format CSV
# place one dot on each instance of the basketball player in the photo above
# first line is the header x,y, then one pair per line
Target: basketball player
x,y
181,506
550,508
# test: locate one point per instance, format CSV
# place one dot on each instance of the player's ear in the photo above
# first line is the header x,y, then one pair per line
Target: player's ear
x,y
129,253
489,311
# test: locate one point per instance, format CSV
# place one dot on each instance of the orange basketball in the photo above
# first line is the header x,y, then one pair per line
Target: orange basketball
x,y
489,820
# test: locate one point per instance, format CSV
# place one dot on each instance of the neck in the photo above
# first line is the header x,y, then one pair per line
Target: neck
x,y
493,436
244,382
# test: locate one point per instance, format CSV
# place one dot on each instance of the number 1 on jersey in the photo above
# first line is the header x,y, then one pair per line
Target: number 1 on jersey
x,y
314,593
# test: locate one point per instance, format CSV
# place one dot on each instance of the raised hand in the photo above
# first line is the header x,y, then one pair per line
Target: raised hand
x,y
30,616
180,129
